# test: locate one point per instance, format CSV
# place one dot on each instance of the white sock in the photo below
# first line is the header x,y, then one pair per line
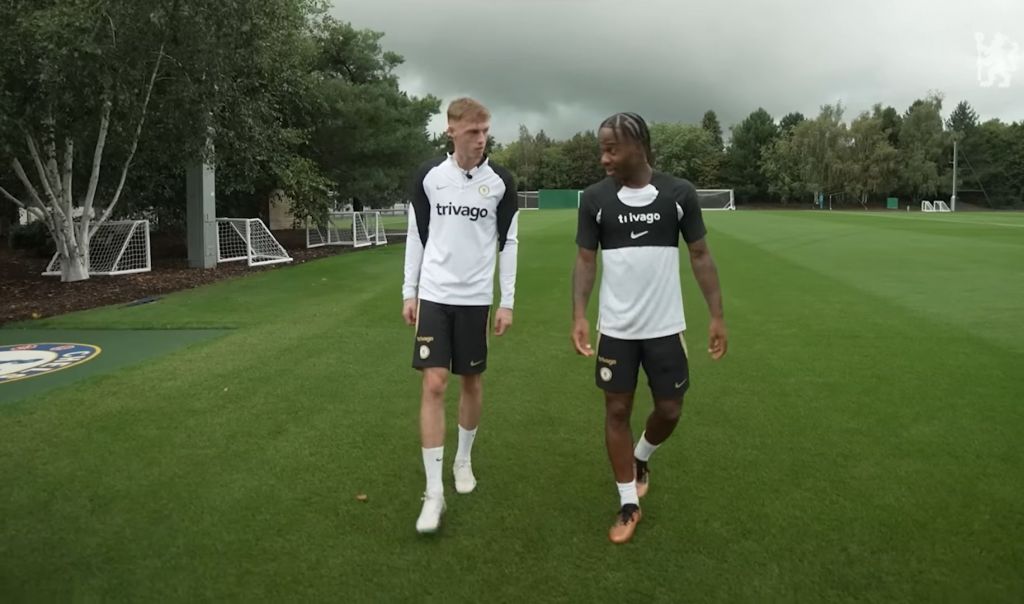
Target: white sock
x,y
644,449
466,438
627,493
433,460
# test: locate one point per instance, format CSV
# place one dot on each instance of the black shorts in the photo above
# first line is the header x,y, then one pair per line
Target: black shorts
x,y
664,360
453,337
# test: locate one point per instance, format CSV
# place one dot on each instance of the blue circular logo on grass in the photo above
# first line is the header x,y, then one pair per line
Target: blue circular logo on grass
x,y
23,361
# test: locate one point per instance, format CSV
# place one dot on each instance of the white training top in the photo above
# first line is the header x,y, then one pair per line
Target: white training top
x,y
638,232
459,222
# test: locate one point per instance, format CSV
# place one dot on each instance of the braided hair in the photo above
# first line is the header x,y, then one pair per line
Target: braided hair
x,y
634,128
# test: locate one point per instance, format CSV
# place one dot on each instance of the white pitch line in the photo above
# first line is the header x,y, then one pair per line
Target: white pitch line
x,y
875,215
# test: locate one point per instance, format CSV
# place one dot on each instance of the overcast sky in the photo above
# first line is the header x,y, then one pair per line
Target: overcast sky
x,y
563,65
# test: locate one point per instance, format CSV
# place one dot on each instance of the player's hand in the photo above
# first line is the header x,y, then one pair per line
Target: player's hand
x,y
409,308
718,339
581,337
502,321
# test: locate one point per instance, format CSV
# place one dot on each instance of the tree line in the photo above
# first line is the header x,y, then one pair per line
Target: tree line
x,y
104,106
880,153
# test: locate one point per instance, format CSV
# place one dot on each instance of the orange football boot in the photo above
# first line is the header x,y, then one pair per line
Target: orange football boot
x,y
625,523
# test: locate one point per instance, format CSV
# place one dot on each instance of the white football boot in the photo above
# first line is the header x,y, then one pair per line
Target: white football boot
x,y
465,482
430,515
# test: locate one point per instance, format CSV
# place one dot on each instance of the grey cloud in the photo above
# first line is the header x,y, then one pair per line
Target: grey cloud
x,y
562,65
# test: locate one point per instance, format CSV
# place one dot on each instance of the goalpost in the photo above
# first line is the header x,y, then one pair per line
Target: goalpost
x,y
375,227
528,200
316,235
716,199
348,228
353,229
250,240
935,206
118,247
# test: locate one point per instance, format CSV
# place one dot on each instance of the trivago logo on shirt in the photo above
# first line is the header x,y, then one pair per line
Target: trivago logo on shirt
x,y
646,217
21,361
471,212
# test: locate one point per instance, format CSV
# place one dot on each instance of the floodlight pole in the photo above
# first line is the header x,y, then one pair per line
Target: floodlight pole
x,y
952,200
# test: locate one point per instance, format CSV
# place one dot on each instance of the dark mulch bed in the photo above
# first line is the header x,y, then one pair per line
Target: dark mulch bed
x,y
26,294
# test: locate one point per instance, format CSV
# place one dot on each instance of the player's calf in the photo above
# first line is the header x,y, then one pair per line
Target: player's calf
x,y
643,478
642,455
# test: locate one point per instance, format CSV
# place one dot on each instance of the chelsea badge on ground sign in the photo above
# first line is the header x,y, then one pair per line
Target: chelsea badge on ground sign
x,y
22,361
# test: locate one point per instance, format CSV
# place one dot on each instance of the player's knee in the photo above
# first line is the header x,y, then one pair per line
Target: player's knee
x,y
669,411
618,408
435,383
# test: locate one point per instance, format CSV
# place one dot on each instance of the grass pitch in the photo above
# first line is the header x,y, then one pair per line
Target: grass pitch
x,y
860,442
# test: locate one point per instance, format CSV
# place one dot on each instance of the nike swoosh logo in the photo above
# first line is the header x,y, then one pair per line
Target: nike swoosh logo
x,y
633,235
475,363
439,187
680,384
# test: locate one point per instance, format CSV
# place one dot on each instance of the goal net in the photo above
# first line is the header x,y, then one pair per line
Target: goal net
x,y
716,199
941,206
118,247
529,200
395,222
316,234
375,228
348,228
926,206
248,239
353,229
